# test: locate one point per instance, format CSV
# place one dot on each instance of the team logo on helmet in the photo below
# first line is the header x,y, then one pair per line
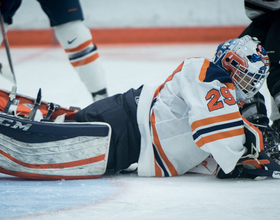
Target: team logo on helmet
x,y
263,55
260,56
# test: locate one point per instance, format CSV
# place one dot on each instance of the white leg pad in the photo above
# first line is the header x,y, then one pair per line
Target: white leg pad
x,y
79,157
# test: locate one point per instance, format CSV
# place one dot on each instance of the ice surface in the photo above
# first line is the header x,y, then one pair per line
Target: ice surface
x,y
123,196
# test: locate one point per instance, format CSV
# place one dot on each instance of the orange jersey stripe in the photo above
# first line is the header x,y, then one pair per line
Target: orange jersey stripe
x,y
203,70
157,169
55,166
79,48
230,86
219,136
215,119
257,130
85,61
170,166
178,69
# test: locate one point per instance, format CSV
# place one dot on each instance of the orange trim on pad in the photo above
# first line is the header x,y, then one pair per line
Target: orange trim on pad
x,y
45,177
57,165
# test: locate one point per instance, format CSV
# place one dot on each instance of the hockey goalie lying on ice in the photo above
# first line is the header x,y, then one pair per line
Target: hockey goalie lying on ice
x,y
189,123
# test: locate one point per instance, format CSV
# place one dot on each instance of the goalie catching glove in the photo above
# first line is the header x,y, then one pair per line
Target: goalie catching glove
x,y
255,164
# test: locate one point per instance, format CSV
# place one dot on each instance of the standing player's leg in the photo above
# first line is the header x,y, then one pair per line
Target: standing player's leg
x,y
76,39
8,9
66,17
273,81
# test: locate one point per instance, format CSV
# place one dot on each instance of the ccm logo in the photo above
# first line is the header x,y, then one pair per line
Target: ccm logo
x,y
14,124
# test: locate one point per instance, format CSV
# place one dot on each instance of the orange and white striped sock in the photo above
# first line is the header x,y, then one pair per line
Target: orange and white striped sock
x,y
76,40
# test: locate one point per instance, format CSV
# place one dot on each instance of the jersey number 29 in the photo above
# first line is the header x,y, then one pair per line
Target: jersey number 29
x,y
214,96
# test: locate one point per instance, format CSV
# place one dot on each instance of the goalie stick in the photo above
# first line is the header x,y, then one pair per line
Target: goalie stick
x,y
5,40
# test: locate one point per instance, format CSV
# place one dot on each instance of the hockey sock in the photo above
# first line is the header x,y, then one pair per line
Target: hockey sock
x,y
76,40
101,94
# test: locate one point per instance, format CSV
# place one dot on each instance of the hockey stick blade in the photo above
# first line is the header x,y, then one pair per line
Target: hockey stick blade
x,y
10,76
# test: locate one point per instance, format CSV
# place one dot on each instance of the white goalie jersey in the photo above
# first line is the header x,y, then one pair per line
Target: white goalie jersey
x,y
192,115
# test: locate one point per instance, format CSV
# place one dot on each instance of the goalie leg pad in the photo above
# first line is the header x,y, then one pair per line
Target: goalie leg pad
x,y
75,150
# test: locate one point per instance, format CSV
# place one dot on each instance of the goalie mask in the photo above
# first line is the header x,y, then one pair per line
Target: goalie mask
x,y
247,63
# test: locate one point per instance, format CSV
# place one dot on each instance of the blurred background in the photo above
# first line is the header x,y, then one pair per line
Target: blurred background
x,y
138,21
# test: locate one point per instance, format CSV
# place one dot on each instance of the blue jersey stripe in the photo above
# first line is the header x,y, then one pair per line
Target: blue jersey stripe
x,y
216,73
160,163
217,128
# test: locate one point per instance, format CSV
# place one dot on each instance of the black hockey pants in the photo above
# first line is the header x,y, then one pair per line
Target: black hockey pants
x,y
120,112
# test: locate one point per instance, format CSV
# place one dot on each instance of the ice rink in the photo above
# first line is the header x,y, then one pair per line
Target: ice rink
x,y
120,197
